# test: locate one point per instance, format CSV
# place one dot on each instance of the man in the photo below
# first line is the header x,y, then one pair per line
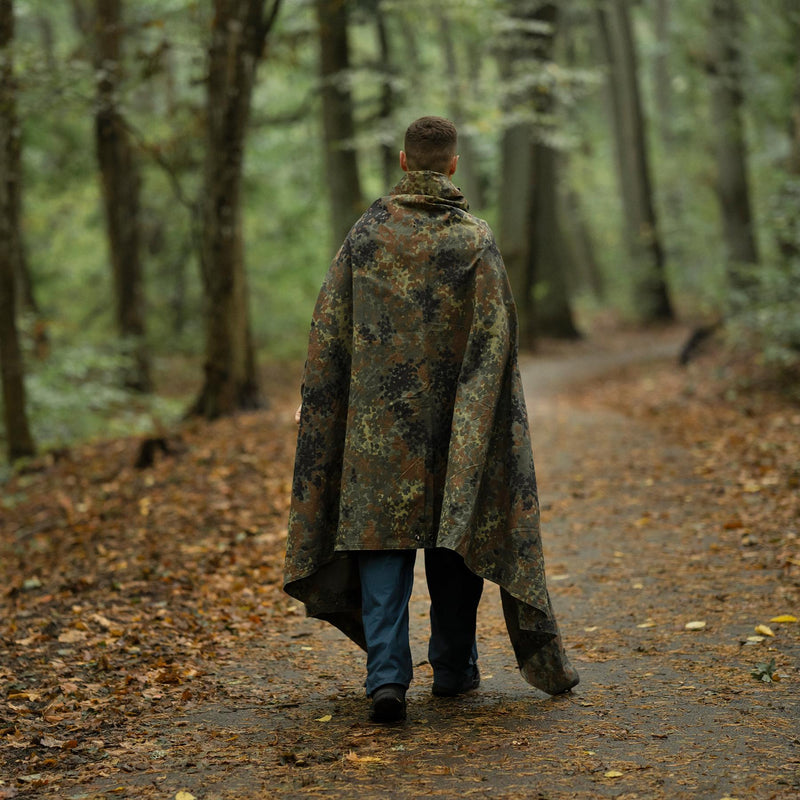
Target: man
x,y
414,435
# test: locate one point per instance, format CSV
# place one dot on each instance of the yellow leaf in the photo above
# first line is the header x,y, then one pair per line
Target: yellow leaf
x,y
784,618
696,625
355,758
764,630
613,773
184,796
326,718
648,624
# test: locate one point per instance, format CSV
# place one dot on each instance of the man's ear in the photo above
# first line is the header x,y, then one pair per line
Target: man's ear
x,y
453,165
403,161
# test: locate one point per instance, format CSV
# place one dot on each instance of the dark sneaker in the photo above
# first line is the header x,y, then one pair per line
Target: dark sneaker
x,y
469,684
388,703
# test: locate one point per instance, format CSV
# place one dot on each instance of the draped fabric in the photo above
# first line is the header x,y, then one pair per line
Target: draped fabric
x,y
414,431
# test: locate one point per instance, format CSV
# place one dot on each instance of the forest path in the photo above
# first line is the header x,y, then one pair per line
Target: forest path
x,y
633,555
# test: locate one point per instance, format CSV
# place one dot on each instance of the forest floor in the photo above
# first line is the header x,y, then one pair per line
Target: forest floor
x,y
148,650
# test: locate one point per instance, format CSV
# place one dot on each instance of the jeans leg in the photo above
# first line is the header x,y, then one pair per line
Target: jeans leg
x,y
386,580
455,593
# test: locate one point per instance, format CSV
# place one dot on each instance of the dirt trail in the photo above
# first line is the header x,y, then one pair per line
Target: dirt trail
x,y
661,711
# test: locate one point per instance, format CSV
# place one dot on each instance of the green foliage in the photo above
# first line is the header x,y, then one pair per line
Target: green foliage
x,y
765,308
75,394
286,225
765,672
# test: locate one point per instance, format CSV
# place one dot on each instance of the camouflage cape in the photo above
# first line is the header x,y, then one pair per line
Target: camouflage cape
x,y
414,431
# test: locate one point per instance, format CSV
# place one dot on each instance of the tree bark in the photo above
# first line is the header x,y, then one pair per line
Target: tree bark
x,y
788,236
549,263
389,152
642,232
547,251
514,208
662,79
120,183
239,32
19,442
530,230
727,98
468,176
341,157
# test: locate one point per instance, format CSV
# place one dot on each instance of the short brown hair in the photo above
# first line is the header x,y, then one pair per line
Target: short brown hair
x,y
430,144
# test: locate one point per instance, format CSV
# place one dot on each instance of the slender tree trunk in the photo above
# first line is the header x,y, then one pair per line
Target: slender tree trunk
x,y
788,200
514,202
547,252
237,42
514,207
341,157
19,442
468,176
389,151
24,281
530,230
584,269
643,236
727,98
662,78
579,245
119,174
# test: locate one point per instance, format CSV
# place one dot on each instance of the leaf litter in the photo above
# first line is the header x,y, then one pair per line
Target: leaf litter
x,y
149,650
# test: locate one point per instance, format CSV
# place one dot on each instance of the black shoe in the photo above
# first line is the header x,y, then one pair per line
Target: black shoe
x,y
469,684
389,703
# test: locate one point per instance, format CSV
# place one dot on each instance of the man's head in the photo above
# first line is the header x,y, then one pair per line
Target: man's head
x,y
430,144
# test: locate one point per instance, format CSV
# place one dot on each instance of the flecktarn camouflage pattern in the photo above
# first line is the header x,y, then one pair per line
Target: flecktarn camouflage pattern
x,y
414,431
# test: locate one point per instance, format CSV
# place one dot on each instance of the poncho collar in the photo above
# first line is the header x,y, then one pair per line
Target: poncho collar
x,y
433,185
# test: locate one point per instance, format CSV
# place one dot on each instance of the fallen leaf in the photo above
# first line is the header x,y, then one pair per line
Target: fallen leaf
x,y
648,624
184,796
354,757
326,718
613,773
72,636
784,618
764,630
51,742
696,625
765,672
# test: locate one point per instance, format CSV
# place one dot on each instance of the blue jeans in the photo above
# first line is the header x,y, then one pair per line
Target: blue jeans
x,y
387,577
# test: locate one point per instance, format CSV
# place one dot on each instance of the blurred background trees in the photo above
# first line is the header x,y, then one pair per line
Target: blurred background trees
x,y
186,168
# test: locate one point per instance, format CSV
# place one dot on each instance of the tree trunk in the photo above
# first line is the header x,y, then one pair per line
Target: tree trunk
x,y
119,174
579,245
662,79
468,176
389,151
642,233
547,251
727,98
237,42
514,209
341,157
787,233
19,441
530,231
